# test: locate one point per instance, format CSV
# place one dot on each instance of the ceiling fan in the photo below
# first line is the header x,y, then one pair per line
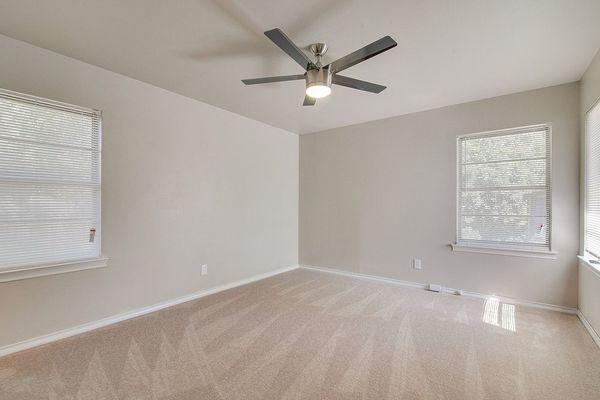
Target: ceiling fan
x,y
319,78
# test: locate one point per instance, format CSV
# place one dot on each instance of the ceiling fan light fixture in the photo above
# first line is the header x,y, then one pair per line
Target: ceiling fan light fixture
x,y
318,91
318,83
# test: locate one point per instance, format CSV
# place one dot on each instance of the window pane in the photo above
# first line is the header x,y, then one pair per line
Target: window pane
x,y
505,202
511,173
38,161
505,147
505,229
22,202
22,120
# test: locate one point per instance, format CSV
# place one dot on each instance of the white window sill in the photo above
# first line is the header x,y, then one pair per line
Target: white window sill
x,y
552,255
587,261
52,269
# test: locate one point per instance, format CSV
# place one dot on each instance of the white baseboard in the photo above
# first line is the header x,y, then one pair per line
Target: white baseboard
x,y
65,333
336,271
418,285
589,328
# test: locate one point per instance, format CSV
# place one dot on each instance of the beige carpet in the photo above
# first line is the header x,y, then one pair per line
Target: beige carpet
x,y
311,335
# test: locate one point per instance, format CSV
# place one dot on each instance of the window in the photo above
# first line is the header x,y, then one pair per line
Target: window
x,y
592,182
49,185
503,197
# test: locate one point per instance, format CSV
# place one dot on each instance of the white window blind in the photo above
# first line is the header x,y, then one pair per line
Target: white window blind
x,y
592,182
49,182
504,189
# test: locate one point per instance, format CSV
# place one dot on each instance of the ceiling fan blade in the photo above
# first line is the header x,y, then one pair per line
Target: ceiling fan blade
x,y
357,84
360,55
286,44
309,101
270,79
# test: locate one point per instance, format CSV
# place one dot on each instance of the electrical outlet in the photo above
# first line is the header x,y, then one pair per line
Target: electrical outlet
x,y
204,269
416,263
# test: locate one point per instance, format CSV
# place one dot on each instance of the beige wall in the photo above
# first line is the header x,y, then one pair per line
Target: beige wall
x,y
375,195
589,294
184,184
590,84
589,277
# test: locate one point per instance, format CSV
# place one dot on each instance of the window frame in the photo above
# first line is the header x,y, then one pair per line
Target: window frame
x,y
499,248
59,267
590,258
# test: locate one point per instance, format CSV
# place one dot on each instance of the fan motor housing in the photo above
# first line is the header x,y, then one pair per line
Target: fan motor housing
x,y
318,77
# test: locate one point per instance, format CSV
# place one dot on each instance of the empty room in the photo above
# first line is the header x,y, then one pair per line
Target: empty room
x,y
320,199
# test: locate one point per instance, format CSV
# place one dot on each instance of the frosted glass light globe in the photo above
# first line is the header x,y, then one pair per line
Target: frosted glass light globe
x,y
318,91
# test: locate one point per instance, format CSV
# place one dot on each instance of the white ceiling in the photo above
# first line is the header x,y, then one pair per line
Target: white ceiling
x,y
448,52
